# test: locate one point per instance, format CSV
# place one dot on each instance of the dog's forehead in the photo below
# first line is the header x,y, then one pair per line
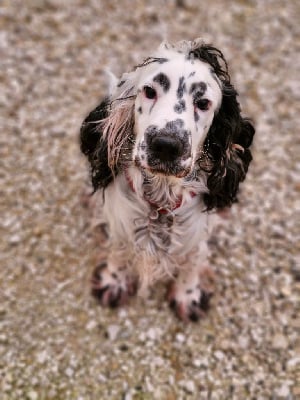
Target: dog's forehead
x,y
178,67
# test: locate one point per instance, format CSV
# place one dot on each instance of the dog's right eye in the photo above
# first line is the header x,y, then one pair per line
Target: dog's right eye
x,y
150,93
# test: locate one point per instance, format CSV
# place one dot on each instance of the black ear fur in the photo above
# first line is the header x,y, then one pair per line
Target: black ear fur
x,y
228,140
94,146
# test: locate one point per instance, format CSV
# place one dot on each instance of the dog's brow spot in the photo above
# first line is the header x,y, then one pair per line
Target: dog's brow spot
x,y
181,88
121,83
180,107
200,87
163,81
139,110
191,74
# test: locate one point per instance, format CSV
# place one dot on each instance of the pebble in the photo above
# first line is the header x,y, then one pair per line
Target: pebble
x,y
113,331
32,395
219,355
15,239
283,392
69,372
180,338
280,342
188,385
42,357
152,334
91,325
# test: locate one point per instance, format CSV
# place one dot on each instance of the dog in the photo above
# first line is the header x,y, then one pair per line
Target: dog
x,y
167,149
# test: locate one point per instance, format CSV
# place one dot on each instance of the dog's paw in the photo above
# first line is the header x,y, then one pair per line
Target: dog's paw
x,y
112,289
190,301
188,308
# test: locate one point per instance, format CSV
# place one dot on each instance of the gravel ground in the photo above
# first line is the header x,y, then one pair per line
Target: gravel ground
x,y
55,341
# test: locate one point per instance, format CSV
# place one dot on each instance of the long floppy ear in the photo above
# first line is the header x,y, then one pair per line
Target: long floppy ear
x,y
106,138
94,145
228,140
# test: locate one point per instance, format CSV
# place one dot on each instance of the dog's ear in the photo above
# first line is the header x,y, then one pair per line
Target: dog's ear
x,y
227,145
229,138
94,145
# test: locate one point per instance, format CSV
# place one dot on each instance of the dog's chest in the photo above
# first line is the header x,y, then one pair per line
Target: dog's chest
x,y
154,231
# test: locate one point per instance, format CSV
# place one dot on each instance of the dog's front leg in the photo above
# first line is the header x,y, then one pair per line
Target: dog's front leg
x,y
189,294
112,283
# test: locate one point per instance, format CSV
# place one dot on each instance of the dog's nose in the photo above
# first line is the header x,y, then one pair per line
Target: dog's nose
x,y
166,148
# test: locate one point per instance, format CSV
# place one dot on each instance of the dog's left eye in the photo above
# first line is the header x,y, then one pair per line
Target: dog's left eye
x,y
203,104
150,93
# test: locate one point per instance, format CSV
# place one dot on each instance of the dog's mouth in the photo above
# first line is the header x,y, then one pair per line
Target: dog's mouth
x,y
178,169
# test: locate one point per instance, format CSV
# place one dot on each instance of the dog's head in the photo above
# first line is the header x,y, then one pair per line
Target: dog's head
x,y
175,114
176,100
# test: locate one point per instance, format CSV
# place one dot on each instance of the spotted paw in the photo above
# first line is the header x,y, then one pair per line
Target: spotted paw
x,y
112,289
189,300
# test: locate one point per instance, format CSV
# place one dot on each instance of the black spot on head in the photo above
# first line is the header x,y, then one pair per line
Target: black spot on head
x,y
163,81
139,110
191,74
199,87
181,88
180,107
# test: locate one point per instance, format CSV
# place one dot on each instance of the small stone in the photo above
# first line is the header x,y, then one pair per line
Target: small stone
x,y
292,363
180,338
151,334
280,342
283,392
32,395
219,355
112,331
189,386
286,290
42,357
92,324
14,239
69,372
243,342
3,338
197,363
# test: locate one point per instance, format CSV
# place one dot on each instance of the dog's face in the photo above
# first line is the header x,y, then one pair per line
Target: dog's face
x,y
176,101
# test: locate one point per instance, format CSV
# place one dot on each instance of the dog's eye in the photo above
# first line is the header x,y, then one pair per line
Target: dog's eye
x,y
203,104
150,93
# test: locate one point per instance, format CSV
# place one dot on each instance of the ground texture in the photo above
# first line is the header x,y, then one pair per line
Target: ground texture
x,y
55,341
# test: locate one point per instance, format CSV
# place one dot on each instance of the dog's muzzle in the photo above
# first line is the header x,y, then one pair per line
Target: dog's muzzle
x,y
168,149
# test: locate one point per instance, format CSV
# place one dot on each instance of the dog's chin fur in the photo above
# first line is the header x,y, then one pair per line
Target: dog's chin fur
x,y
158,216
168,172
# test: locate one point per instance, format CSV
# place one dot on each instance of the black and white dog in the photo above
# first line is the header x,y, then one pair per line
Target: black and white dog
x,y
167,147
